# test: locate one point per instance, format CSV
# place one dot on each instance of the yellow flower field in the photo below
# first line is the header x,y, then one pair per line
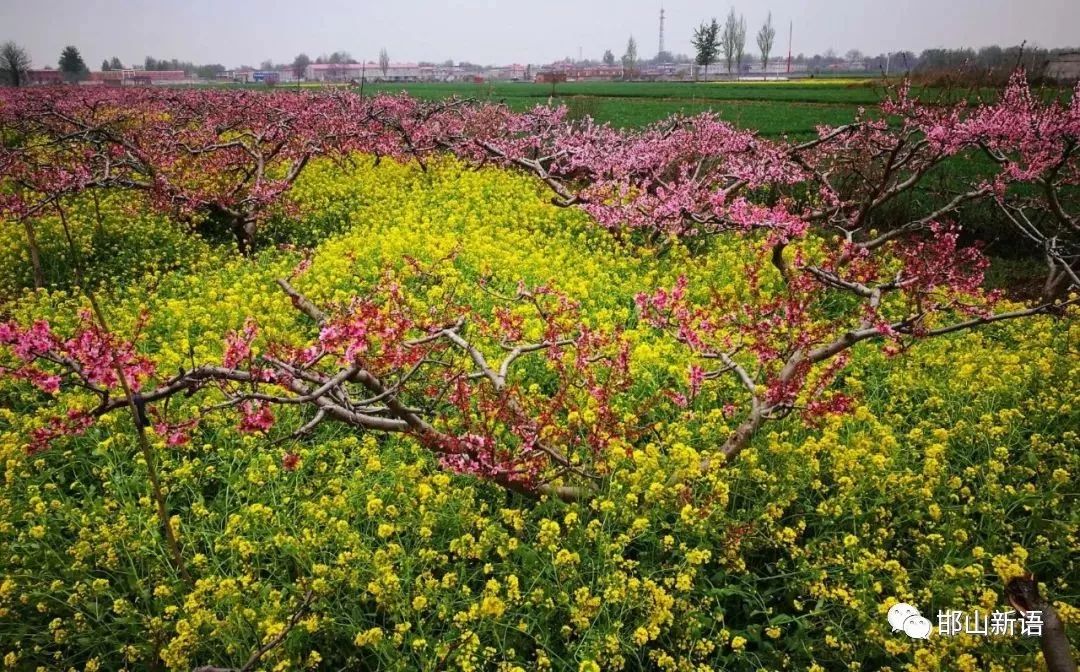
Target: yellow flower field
x,y
956,470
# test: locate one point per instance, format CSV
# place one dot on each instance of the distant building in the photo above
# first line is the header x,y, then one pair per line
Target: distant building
x,y
550,77
777,67
46,76
577,73
132,77
113,77
665,71
266,76
441,73
242,75
846,66
127,77
369,72
1064,67
512,73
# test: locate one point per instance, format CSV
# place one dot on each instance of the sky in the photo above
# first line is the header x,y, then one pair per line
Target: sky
x,y
246,32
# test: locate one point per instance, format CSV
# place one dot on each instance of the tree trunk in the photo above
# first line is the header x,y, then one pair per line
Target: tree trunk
x,y
1023,593
97,213
243,229
35,254
1057,285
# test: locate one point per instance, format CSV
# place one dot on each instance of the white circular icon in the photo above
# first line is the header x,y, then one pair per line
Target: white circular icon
x,y
898,613
917,627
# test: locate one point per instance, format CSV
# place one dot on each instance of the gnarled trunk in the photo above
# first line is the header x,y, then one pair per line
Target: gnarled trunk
x,y
1023,593
35,254
244,229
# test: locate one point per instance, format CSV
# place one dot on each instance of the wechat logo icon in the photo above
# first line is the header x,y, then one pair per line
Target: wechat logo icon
x,y
903,616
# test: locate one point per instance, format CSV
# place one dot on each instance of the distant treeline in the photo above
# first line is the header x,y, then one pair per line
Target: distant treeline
x,y
986,60
208,71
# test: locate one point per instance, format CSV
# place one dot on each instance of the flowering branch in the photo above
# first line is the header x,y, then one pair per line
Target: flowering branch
x,y
501,435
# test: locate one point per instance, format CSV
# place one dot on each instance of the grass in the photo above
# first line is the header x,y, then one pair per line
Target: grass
x,y
773,108
844,92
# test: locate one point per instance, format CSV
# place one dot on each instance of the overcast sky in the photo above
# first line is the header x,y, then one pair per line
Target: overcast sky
x,y
235,32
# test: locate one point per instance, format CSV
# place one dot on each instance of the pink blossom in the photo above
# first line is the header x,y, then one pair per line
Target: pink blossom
x,y
238,344
697,377
257,417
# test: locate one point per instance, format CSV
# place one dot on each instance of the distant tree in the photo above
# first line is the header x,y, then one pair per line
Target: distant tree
x,y
115,64
210,71
853,55
765,38
906,60
609,58
299,65
740,43
729,39
991,57
163,64
448,63
340,57
630,58
266,65
14,62
706,42
987,60
105,67
72,64
384,61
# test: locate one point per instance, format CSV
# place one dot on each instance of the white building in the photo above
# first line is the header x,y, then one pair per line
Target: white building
x,y
777,67
369,72
515,72
1064,67
441,73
